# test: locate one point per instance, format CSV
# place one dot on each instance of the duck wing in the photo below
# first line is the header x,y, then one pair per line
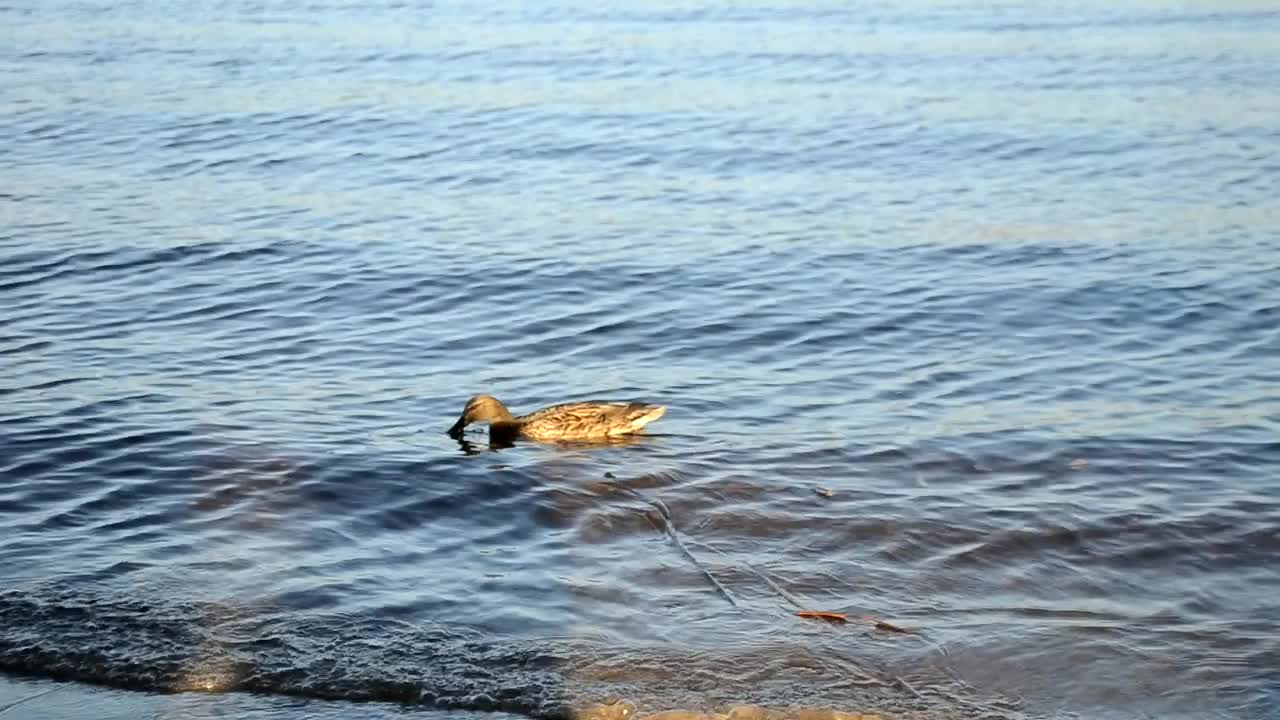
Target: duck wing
x,y
589,419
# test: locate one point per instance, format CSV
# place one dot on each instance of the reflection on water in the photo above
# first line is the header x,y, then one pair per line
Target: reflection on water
x,y
473,445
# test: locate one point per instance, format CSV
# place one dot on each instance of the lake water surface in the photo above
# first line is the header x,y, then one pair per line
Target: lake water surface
x,y
966,316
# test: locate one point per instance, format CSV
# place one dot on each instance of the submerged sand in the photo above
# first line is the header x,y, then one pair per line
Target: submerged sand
x,y
622,710
37,699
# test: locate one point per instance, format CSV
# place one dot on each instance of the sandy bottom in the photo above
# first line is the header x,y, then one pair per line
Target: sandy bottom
x,y
22,699
46,699
622,710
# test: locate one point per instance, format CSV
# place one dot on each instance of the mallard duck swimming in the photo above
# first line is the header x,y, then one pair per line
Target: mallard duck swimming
x,y
570,421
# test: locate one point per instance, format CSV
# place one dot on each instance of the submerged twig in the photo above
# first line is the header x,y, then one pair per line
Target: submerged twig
x,y
775,586
850,666
675,539
763,576
885,625
907,686
669,529
667,526
29,698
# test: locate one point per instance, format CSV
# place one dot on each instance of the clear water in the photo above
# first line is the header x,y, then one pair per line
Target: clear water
x,y
1003,280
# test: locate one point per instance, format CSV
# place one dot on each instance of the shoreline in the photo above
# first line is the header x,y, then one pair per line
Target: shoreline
x,y
37,699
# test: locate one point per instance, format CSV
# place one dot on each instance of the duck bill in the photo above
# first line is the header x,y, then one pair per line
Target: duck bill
x,y
456,430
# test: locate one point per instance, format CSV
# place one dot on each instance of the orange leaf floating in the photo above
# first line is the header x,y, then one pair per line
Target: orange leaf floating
x,y
831,617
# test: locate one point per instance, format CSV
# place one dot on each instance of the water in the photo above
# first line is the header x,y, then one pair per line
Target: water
x,y
1002,280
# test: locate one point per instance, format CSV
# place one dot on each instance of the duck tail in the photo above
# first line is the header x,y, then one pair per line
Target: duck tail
x,y
639,415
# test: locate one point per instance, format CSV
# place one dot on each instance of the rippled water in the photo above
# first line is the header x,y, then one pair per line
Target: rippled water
x,y
967,317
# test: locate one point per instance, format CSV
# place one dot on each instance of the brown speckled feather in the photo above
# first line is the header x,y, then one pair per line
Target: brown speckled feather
x,y
588,419
568,421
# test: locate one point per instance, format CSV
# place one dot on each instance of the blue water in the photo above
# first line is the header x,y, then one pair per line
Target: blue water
x,y
966,317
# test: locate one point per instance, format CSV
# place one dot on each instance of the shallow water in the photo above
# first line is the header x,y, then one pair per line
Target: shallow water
x,y
966,318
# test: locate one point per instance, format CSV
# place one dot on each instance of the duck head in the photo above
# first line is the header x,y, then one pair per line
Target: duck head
x,y
481,408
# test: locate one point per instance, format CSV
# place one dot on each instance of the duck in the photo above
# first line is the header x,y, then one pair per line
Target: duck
x,y
565,422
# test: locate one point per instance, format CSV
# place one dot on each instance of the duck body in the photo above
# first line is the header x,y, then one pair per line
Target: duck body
x,y
567,421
